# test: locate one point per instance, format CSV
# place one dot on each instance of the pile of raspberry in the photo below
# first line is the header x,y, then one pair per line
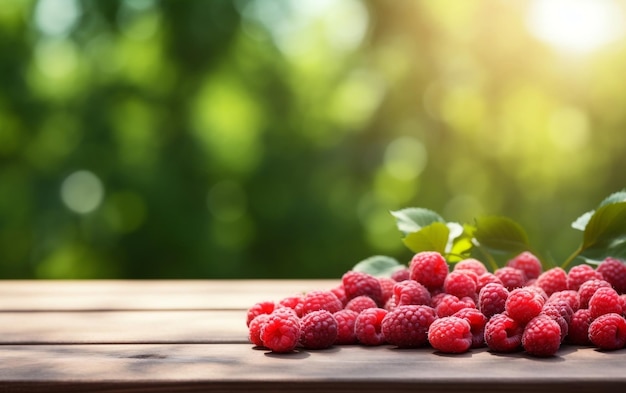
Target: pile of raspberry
x,y
518,307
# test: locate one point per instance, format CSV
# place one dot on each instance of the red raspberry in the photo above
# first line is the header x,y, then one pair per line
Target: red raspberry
x,y
318,330
503,334
561,312
542,336
450,335
523,305
511,277
569,296
471,264
360,283
588,288
608,331
410,292
605,301
579,274
460,284
407,325
341,294
485,279
429,268
614,271
386,284
345,326
295,303
528,263
401,275
320,300
390,305
368,326
360,303
578,329
450,304
492,299
552,280
259,308
281,331
254,330
623,299
477,323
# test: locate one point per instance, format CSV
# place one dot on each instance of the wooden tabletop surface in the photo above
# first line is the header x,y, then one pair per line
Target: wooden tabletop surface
x,y
191,336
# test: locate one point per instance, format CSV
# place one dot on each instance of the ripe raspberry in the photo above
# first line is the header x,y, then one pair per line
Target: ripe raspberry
x,y
561,312
368,326
578,274
359,283
608,331
318,330
386,284
492,299
614,271
410,292
254,329
528,263
605,301
552,280
360,303
450,335
503,334
523,305
340,293
477,323
320,300
569,296
401,274
578,329
407,325
511,277
588,288
345,326
485,279
295,303
429,268
450,304
459,284
542,336
471,264
259,308
281,331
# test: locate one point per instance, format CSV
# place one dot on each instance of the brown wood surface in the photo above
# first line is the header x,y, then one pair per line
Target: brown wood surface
x,y
176,336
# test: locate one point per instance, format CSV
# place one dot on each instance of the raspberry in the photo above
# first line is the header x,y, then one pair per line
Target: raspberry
x,y
492,299
569,296
528,263
608,331
523,305
368,326
614,271
561,312
511,277
410,292
320,300
588,288
503,334
360,303
460,284
341,294
429,268
386,284
450,335
579,274
401,275
552,280
605,301
345,326
542,336
477,323
485,279
259,308
281,331
254,329
450,304
407,325
471,264
578,329
296,303
359,283
318,330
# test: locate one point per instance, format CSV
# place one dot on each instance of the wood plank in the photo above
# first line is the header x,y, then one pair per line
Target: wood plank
x,y
29,295
239,367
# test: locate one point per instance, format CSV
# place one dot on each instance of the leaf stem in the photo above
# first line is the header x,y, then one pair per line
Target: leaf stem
x,y
571,258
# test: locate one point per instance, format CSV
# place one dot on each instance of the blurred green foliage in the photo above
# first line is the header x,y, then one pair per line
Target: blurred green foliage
x,y
217,139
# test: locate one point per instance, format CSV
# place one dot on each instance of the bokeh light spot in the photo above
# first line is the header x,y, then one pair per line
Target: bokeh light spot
x,y
82,192
57,17
227,201
405,158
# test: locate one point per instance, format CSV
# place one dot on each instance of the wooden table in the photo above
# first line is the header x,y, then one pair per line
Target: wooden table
x,y
190,336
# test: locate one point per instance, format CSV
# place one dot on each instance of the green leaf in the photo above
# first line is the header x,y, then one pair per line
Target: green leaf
x,y
606,227
460,246
616,197
378,265
433,237
413,219
501,234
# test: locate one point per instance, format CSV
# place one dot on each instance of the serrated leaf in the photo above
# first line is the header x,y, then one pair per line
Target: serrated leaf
x,y
582,221
616,249
433,237
378,265
413,219
501,234
605,227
